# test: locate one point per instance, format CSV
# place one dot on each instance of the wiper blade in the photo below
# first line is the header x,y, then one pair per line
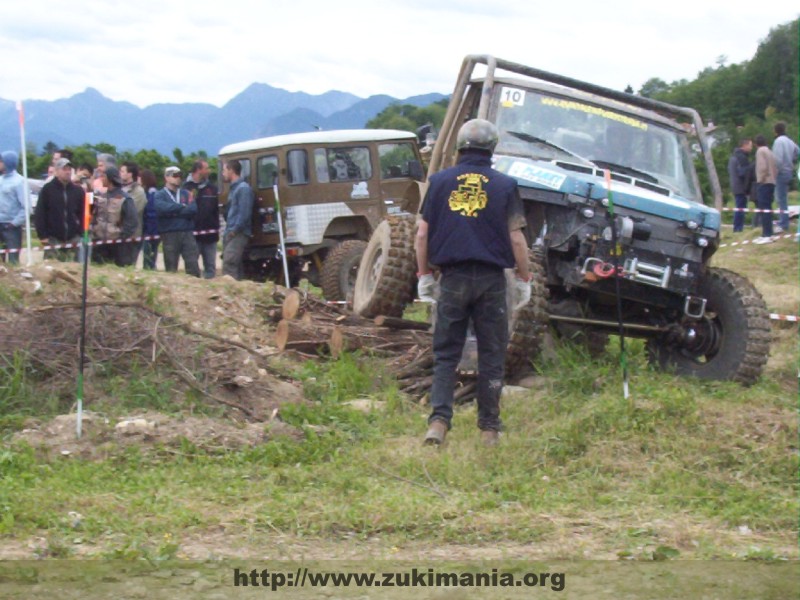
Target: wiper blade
x,y
643,175
526,137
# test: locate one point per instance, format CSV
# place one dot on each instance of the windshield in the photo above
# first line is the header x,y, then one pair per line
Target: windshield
x,y
536,125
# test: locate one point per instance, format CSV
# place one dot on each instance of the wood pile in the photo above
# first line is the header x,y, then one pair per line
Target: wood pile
x,y
311,327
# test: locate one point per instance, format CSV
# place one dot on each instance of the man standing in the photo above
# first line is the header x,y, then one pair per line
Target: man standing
x,y
12,206
740,172
766,174
176,213
59,213
238,227
786,155
114,220
206,198
471,228
129,172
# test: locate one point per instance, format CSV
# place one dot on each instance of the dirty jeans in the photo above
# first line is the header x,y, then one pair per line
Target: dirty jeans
x,y
470,291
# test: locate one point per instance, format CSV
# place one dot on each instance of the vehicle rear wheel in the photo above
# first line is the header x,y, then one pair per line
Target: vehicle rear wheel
x,y
386,278
731,342
340,268
528,324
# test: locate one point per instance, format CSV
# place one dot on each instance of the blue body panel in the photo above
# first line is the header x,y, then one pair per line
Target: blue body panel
x,y
548,176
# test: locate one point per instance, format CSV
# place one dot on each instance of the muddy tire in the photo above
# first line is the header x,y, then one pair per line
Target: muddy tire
x,y
528,324
339,269
387,275
732,341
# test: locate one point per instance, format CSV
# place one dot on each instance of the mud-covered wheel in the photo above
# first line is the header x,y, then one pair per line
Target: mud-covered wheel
x,y
529,324
387,274
731,342
593,341
339,269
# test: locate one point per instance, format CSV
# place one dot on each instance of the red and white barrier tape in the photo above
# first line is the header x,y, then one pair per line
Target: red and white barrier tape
x,y
106,242
777,317
759,210
746,242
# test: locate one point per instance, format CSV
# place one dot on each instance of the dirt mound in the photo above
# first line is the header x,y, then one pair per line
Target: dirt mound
x,y
102,436
208,339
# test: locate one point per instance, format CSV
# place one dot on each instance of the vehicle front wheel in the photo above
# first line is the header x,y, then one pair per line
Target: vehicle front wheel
x,y
730,342
386,278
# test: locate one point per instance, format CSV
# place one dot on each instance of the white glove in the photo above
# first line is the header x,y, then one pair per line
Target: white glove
x,y
522,293
427,288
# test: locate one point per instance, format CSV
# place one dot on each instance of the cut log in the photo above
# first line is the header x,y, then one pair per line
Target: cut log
x,y
397,323
291,304
383,342
296,335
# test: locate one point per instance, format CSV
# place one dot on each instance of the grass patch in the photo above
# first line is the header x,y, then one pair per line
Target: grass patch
x,y
683,468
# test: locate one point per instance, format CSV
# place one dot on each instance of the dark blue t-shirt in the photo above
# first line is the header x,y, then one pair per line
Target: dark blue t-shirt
x,y
470,209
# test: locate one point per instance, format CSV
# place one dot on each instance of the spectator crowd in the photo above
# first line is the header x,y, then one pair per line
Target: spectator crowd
x,y
768,177
129,215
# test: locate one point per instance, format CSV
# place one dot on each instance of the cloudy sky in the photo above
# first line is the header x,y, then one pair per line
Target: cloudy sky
x,y
155,51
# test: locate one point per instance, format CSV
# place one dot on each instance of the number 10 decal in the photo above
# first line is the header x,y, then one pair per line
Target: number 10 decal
x,y
512,97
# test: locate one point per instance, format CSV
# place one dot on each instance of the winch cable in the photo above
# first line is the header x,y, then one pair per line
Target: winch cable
x,y
615,261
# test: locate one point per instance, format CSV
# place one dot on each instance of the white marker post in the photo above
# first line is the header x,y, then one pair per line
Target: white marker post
x,y
25,189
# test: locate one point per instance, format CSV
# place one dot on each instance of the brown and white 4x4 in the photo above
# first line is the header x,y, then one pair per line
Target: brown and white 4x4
x,y
335,188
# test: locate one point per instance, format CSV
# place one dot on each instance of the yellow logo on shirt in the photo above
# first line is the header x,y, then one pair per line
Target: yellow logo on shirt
x,y
469,198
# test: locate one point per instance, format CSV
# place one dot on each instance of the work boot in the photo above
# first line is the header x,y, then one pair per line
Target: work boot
x,y
437,430
490,437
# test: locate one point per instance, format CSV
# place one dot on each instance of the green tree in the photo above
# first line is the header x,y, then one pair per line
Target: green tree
x,y
407,117
654,87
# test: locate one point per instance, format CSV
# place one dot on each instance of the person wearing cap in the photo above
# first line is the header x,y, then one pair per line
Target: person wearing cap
x,y
176,211
12,207
58,217
471,229
114,220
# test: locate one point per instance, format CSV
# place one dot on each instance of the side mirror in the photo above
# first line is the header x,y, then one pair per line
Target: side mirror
x,y
415,170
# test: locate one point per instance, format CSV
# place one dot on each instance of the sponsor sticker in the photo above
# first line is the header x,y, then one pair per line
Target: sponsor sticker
x,y
537,175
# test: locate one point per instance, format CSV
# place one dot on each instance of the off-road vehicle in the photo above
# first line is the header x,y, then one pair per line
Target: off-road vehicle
x,y
334,188
648,263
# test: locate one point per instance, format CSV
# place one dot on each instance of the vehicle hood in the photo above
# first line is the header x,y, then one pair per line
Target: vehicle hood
x,y
546,175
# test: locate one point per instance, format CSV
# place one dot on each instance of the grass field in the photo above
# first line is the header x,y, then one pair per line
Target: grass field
x,y
683,469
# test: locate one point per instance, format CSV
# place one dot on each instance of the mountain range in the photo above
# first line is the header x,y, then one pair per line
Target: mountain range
x,y
260,110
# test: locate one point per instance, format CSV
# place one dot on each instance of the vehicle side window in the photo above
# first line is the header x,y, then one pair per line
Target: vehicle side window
x,y
267,169
297,161
321,165
245,162
395,160
349,164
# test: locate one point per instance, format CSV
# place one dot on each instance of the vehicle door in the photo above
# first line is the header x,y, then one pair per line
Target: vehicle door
x,y
401,175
